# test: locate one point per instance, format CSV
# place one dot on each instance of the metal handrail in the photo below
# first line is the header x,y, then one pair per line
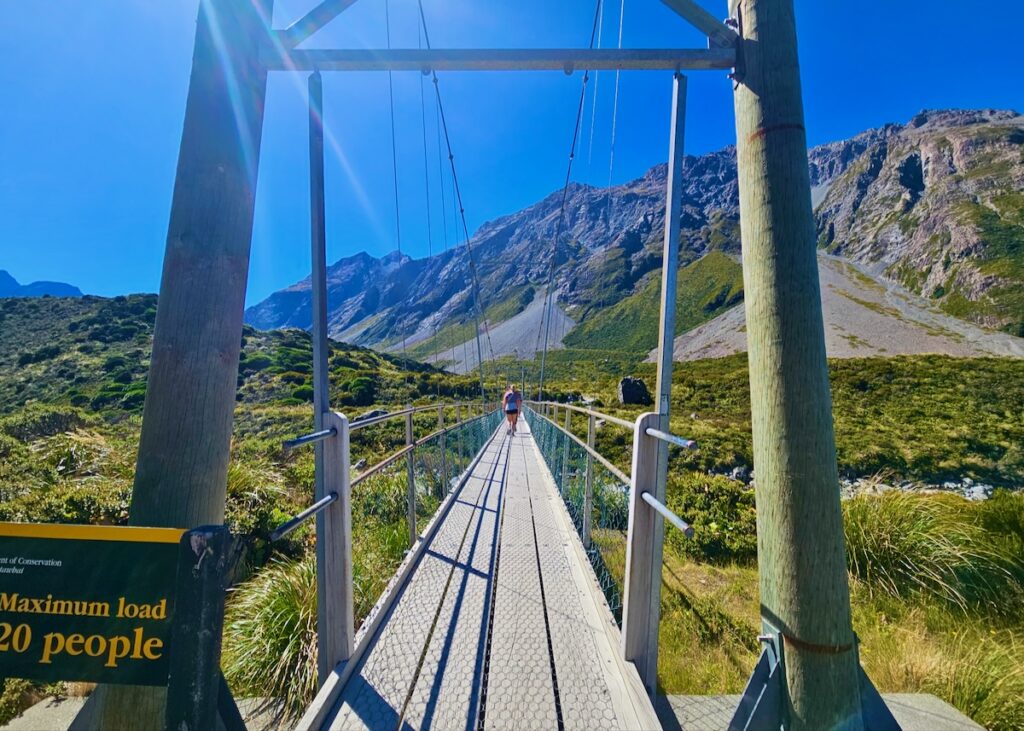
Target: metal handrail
x,y
292,523
671,438
647,497
590,412
591,451
317,436
356,425
409,447
671,517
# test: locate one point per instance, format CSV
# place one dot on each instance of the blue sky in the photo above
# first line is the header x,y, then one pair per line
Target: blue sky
x,y
93,100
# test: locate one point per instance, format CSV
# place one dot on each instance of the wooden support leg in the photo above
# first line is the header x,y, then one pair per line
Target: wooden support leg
x,y
182,464
801,552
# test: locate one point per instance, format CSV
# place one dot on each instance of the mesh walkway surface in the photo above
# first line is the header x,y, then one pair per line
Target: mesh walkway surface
x,y
501,623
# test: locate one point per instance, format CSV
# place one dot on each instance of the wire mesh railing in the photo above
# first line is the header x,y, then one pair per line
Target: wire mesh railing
x,y
596,496
393,499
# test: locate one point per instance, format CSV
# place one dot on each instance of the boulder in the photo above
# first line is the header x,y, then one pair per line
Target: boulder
x,y
740,473
372,414
634,391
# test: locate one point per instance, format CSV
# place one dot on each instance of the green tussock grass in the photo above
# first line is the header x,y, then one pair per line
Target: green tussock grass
x,y
270,635
939,546
704,289
925,418
936,611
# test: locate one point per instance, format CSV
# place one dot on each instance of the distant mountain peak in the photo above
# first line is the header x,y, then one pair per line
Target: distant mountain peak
x,y
960,117
9,287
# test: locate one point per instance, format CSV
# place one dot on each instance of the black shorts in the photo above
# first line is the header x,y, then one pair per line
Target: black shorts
x,y
511,412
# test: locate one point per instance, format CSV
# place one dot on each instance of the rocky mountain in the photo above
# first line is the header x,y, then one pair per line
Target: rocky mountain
x,y
938,206
9,287
934,205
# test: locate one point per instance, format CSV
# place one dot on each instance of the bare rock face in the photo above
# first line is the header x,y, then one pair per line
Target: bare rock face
x,y
634,391
936,205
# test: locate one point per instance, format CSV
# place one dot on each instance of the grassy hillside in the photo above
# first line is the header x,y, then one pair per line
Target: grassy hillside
x,y
1000,224
704,289
93,353
926,418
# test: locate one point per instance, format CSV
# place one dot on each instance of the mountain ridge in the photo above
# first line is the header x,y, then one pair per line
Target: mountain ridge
x,y
882,199
10,287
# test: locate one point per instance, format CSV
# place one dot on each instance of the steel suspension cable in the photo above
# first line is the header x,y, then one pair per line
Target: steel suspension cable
x,y
615,116
551,297
394,172
597,79
426,186
474,281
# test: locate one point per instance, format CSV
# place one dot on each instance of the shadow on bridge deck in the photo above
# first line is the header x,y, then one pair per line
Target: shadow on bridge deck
x,y
500,623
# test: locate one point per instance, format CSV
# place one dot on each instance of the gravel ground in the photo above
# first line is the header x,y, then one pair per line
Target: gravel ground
x,y
517,334
863,317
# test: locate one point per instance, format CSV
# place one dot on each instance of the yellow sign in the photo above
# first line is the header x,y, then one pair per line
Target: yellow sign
x,y
91,603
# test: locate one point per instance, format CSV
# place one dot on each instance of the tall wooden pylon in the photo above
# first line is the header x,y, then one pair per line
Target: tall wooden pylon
x,y
181,473
801,553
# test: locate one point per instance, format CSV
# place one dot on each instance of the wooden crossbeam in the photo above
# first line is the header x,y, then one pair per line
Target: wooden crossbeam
x,y
313,21
717,32
503,59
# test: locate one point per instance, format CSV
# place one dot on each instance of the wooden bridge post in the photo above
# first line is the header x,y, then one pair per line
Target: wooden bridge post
x,y
181,471
642,602
184,448
642,586
801,551
588,493
410,476
335,622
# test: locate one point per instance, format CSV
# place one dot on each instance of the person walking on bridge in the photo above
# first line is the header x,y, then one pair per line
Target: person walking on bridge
x,y
510,404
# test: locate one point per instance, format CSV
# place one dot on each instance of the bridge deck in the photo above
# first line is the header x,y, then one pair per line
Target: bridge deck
x,y
500,623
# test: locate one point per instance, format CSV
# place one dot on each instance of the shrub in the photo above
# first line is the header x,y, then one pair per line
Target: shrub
x,y
113,363
134,397
362,390
303,393
253,363
35,421
122,377
722,514
94,502
16,697
270,640
383,496
254,499
48,352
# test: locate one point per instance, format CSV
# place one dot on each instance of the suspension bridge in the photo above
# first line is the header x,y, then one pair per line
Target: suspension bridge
x,y
496,619
531,598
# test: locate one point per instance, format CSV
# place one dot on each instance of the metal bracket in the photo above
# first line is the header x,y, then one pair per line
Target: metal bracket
x,y
760,707
739,70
